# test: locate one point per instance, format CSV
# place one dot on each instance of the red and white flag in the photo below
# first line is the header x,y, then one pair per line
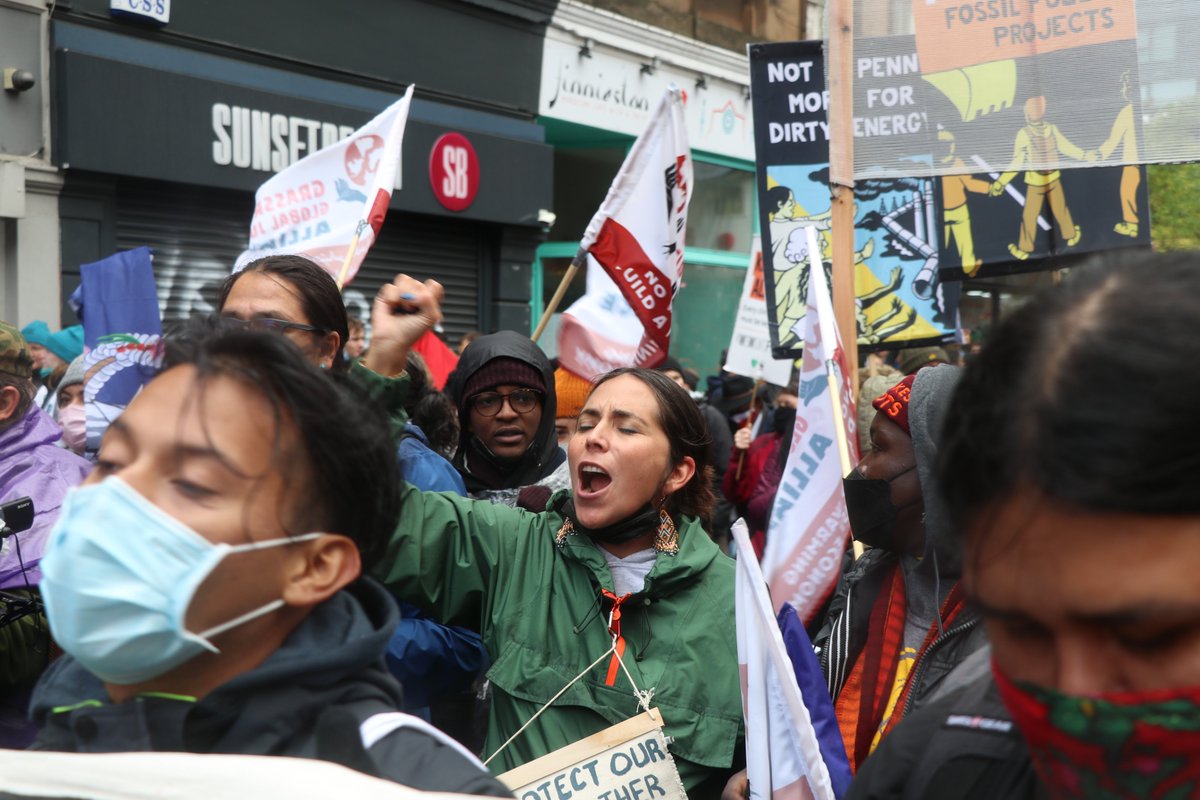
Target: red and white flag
x,y
634,247
809,528
315,206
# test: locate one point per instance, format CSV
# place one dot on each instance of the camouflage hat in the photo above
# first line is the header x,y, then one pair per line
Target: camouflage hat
x,y
14,353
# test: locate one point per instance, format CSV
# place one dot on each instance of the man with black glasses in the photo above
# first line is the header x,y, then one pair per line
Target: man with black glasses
x,y
502,387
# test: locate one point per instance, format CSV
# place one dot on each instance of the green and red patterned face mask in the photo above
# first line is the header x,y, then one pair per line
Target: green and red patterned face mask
x,y
1120,745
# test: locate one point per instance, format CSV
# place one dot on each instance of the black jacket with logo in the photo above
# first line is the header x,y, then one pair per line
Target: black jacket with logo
x,y
324,694
962,746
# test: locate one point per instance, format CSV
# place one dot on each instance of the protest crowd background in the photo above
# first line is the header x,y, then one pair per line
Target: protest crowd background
x,y
651,400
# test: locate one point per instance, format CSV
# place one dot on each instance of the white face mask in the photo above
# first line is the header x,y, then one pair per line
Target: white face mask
x,y
118,577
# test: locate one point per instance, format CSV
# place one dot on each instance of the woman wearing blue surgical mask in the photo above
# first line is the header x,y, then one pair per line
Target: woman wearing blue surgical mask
x,y
1069,462
205,580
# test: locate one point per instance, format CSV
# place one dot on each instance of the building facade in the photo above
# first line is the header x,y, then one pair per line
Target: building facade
x,y
163,128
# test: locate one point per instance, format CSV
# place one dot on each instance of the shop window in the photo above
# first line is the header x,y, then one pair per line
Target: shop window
x,y
582,177
704,311
720,216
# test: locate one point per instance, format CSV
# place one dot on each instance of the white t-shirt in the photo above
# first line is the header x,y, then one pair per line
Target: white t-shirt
x,y
629,573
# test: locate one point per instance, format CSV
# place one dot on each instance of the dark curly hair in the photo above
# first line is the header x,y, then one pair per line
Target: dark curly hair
x,y
688,435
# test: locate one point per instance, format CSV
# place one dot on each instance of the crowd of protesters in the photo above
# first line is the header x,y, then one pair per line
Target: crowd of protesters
x,y
300,541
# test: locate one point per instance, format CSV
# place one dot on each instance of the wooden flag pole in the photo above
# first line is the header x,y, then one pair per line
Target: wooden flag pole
x,y
839,64
559,293
341,279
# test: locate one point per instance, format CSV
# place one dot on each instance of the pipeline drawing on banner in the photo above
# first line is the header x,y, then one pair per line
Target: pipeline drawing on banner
x,y
899,298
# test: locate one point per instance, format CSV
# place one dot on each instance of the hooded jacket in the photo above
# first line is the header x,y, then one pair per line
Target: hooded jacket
x,y
927,580
324,694
537,602
543,456
33,465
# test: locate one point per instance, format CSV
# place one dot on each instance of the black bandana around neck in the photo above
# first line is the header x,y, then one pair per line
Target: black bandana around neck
x,y
640,523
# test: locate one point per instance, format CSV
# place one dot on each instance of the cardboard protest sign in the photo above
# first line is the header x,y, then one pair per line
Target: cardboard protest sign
x,y
628,760
750,346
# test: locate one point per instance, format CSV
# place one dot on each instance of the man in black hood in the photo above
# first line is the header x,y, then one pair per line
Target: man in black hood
x,y
502,388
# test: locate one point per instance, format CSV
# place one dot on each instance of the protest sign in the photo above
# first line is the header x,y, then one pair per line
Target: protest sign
x,y
628,760
914,235
900,300
750,346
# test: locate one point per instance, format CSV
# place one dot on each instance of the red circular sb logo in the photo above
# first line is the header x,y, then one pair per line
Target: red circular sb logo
x,y
454,171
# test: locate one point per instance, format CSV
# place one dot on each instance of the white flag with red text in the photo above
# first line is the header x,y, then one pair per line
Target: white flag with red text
x,y
809,529
634,247
315,206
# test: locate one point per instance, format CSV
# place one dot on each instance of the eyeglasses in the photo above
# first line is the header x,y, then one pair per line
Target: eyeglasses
x,y
260,324
522,401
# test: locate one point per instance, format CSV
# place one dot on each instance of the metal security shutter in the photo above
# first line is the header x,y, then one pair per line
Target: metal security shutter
x,y
452,251
197,234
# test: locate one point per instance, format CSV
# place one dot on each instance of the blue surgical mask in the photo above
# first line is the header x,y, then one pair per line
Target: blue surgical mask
x,y
118,577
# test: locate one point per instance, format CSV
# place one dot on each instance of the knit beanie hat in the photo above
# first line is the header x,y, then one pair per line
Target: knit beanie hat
x,y
14,352
572,392
75,374
915,358
36,332
67,344
500,372
894,402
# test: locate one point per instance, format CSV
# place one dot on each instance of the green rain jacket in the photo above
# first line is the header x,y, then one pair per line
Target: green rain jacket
x,y
538,606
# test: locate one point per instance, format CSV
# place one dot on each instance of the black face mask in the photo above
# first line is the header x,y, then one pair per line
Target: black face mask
x,y
869,505
643,521
783,421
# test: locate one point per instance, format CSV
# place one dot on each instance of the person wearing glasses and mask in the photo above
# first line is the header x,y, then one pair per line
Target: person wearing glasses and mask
x,y
502,388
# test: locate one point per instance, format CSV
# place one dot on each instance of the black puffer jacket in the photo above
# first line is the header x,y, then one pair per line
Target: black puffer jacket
x,y
324,694
543,455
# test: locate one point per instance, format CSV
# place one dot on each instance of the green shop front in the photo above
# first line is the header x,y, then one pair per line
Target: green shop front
x,y
602,76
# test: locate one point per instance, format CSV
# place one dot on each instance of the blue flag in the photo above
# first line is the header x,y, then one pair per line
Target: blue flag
x,y
118,303
816,698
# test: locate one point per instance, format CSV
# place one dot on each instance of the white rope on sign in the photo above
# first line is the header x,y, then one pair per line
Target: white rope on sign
x,y
643,697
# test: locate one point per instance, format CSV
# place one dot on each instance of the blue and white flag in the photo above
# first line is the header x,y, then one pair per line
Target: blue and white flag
x,y
118,303
793,746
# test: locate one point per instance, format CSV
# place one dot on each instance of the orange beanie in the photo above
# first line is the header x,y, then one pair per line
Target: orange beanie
x,y
571,391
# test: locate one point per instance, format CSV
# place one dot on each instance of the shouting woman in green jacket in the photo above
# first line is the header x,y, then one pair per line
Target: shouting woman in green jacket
x,y
542,587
